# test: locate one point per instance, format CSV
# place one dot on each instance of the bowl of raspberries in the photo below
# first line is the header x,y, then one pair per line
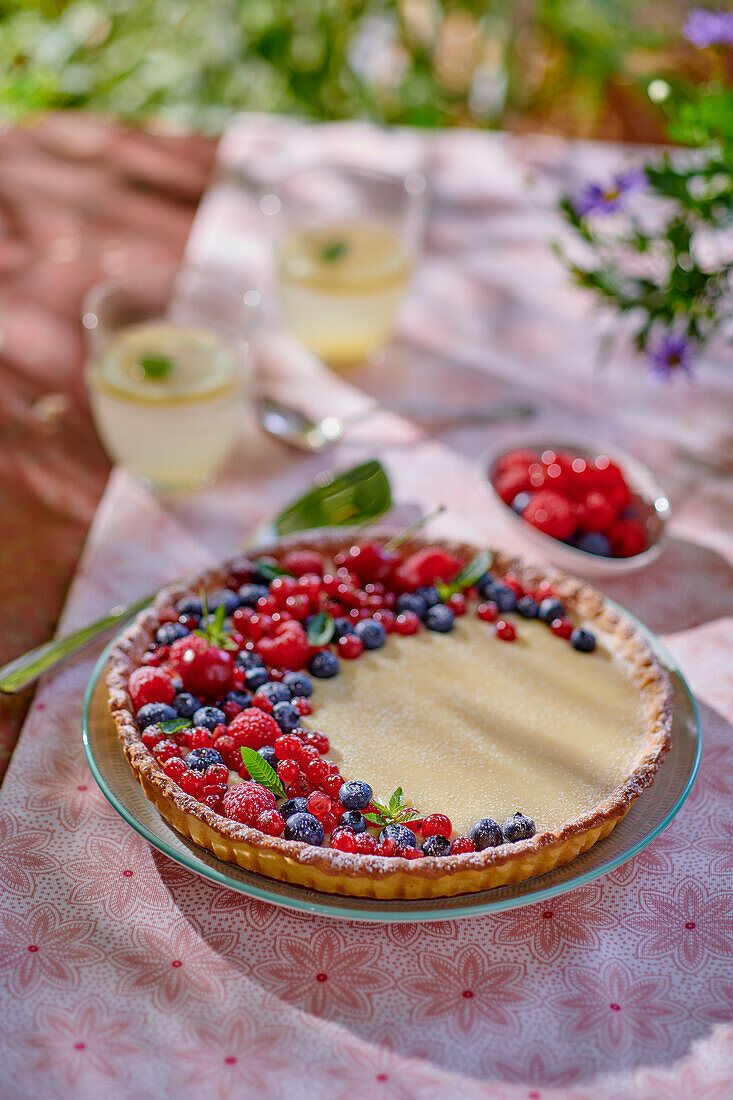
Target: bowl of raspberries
x,y
593,509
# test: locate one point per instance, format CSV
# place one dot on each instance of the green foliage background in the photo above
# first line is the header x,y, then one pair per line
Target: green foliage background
x,y
580,66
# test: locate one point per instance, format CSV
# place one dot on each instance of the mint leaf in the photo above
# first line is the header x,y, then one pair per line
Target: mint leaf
x,y
261,771
173,725
395,813
269,570
468,575
156,367
321,629
212,626
333,251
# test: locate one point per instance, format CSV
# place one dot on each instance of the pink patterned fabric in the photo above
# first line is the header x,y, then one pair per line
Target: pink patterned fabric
x,y
125,975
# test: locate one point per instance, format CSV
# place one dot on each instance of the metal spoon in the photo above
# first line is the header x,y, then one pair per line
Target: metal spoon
x,y
294,428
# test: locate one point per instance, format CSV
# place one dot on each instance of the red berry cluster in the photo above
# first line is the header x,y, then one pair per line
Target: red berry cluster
x,y
568,497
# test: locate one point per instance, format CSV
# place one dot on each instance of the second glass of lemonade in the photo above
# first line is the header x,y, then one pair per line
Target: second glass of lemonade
x,y
346,251
169,371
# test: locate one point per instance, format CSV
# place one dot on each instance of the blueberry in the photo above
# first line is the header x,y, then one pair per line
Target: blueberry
x,y
520,502
372,633
168,633
255,677
519,827
249,594
341,627
355,794
276,693
225,598
551,609
293,806
287,716
583,640
400,834
209,717
247,659
324,665
304,827
593,542
504,598
429,593
436,845
268,755
410,601
440,619
298,684
241,698
486,834
354,821
189,605
198,760
486,585
154,712
185,705
527,607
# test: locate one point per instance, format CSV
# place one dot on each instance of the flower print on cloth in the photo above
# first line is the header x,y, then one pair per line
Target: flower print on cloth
x,y
686,924
175,964
576,919
87,1044
236,1056
62,784
24,856
615,1006
466,990
120,875
44,950
324,973
255,913
377,1072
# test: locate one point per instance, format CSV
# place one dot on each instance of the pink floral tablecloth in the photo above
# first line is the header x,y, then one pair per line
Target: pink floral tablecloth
x,y
125,975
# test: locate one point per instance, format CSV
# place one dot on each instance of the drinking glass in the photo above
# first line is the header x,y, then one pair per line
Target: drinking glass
x,y
169,370
345,253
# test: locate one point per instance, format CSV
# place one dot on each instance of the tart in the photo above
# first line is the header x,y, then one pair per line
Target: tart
x,y
417,723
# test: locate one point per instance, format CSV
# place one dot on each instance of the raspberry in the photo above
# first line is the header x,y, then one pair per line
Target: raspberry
x,y
551,514
410,853
199,738
462,844
343,841
299,562
150,685
512,459
427,566
287,771
366,844
505,631
254,728
247,801
627,537
302,706
298,606
487,612
231,709
152,736
436,825
407,623
288,649
262,702
510,484
283,587
388,847
350,647
271,822
563,628
599,513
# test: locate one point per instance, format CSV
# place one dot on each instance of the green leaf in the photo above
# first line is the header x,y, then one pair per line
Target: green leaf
x,y
334,250
395,813
352,497
270,570
470,573
212,629
173,725
321,629
261,771
156,367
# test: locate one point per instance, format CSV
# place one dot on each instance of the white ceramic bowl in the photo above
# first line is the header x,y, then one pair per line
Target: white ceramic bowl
x,y
648,502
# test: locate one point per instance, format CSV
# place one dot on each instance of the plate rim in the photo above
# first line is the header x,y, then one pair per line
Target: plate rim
x,y
383,916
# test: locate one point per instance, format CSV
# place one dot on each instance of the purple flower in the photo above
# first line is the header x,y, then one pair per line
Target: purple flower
x,y
594,199
709,28
670,354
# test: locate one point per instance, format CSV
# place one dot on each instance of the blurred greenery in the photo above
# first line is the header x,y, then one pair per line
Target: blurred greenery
x,y
575,66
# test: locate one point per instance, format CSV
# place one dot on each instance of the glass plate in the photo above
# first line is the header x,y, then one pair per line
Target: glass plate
x,y
645,820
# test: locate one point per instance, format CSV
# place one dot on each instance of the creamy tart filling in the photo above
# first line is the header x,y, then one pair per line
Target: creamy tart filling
x,y
473,727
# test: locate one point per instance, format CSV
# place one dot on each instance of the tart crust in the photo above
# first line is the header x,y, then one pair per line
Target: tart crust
x,y
334,872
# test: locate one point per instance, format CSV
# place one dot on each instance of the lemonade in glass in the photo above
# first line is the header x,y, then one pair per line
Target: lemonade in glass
x,y
169,371
345,255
